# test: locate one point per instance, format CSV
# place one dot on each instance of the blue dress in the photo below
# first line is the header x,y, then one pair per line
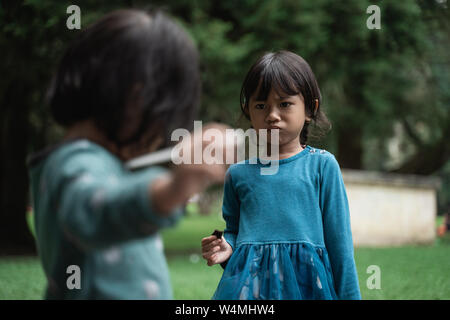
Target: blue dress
x,y
289,230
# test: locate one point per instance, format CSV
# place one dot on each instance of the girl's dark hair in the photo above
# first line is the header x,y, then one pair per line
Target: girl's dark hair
x,y
290,74
129,59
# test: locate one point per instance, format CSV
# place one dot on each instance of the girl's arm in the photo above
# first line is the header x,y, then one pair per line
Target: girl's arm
x,y
337,231
230,210
97,208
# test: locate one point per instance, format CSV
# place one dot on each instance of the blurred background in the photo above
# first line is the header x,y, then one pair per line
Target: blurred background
x,y
386,92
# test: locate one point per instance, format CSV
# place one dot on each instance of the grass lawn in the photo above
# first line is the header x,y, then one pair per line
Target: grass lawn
x,y
412,272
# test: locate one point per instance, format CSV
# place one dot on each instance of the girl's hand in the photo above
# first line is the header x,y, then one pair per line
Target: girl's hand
x,y
212,169
188,179
215,250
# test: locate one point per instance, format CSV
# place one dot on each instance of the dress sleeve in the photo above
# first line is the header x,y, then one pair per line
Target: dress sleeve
x,y
230,210
98,206
337,231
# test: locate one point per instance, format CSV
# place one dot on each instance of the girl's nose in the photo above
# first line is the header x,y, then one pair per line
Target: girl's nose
x,y
273,115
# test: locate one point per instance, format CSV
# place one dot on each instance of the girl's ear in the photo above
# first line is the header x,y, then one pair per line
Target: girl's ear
x,y
316,106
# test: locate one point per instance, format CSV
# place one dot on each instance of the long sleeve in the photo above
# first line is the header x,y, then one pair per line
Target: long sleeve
x,y
230,210
337,230
98,205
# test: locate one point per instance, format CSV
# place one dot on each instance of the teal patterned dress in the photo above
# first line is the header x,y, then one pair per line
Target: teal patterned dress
x,y
92,213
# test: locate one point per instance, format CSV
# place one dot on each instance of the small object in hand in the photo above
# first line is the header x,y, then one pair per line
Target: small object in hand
x,y
217,233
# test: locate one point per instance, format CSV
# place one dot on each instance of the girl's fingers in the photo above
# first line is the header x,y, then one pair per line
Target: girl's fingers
x,y
208,239
215,258
208,254
212,245
212,260
208,246
217,255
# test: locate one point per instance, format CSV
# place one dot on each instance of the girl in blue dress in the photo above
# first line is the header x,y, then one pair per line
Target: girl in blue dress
x,y
124,84
288,234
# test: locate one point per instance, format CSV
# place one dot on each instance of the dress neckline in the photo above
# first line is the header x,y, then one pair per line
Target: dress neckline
x,y
300,154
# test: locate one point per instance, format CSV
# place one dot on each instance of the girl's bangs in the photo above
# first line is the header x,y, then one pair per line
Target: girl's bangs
x,y
277,76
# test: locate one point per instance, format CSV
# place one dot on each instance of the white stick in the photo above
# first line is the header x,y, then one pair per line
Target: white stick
x,y
165,155
157,157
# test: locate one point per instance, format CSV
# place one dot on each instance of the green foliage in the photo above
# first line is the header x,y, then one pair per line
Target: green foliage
x,y
370,79
367,76
30,222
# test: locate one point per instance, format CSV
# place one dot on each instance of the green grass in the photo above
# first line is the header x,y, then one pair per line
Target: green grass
x,y
21,278
192,279
406,272
412,272
187,235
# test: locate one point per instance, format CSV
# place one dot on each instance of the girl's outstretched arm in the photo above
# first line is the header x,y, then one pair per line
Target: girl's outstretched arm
x,y
337,231
97,207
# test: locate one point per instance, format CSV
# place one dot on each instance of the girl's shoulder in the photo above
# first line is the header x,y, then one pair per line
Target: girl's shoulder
x,y
323,162
322,155
63,162
73,157
319,152
239,170
327,164
78,150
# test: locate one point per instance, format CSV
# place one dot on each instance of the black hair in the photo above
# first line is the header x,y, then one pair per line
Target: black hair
x,y
129,59
288,73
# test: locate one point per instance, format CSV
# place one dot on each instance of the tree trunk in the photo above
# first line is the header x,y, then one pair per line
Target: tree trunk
x,y
15,237
429,157
349,143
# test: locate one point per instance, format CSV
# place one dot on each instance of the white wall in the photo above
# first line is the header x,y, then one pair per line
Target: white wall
x,y
391,209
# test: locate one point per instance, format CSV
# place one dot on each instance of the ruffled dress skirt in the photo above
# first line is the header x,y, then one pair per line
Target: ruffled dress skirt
x,y
277,271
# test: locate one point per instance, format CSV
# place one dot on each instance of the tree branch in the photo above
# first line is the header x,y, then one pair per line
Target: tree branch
x,y
411,133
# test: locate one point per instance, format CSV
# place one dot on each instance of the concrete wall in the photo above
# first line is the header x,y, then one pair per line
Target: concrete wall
x,y
391,209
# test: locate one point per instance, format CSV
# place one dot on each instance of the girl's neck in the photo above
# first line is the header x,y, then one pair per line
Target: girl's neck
x,y
88,130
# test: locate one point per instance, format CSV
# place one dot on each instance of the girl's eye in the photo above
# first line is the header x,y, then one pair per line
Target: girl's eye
x,y
285,104
259,106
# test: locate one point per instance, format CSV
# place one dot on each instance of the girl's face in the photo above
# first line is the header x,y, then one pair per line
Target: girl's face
x,y
282,111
